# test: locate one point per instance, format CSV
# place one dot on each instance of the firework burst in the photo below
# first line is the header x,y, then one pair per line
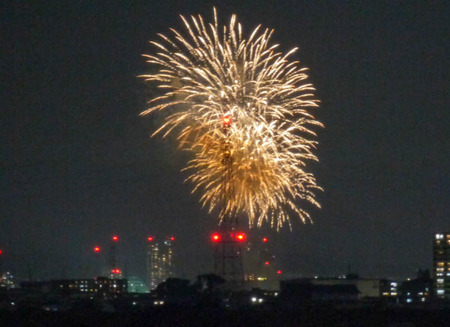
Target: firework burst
x,y
212,73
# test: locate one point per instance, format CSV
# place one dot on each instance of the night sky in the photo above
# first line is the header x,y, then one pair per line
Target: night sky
x,y
78,166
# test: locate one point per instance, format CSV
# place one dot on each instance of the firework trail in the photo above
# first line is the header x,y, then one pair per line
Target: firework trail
x,y
212,73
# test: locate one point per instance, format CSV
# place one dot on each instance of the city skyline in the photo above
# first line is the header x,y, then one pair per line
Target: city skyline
x,y
78,164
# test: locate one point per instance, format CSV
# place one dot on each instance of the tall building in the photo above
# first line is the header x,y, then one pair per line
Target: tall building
x,y
115,271
259,260
441,265
160,265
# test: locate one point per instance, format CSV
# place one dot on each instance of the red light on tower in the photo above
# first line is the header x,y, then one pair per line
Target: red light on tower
x,y
150,238
264,239
279,272
215,237
97,249
1,251
267,263
172,238
226,120
240,237
115,238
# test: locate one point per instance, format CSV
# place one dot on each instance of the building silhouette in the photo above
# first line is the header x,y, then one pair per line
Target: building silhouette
x,y
160,265
441,265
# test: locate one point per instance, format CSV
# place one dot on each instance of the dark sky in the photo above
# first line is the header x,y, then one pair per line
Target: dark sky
x,y
77,164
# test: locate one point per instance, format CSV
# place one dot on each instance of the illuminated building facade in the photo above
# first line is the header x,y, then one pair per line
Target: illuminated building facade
x,y
441,265
160,265
101,287
136,285
7,281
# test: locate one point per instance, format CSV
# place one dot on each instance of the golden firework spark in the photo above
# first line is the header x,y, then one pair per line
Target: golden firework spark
x,y
215,72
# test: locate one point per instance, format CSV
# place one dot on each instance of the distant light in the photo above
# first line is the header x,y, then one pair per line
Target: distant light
x,y
115,238
172,238
1,252
215,237
279,272
97,249
240,237
150,239
265,239
267,263
226,120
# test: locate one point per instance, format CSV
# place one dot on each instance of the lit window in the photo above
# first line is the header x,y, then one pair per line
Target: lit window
x,y
440,264
439,236
440,292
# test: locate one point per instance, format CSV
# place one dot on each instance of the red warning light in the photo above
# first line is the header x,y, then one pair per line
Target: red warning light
x,y
240,237
215,237
264,239
115,271
115,238
150,238
1,252
172,238
279,272
97,249
226,120
267,263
